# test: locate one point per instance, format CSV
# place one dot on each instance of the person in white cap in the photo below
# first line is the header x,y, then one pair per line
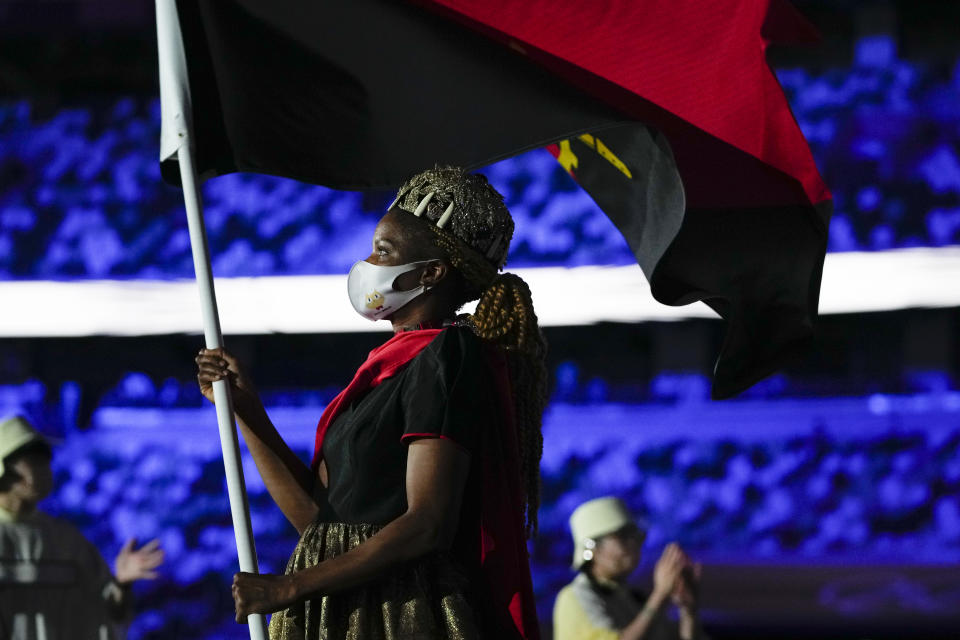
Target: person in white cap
x,y
598,604
54,584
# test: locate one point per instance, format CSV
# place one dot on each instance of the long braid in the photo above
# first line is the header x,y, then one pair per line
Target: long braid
x,y
476,242
505,315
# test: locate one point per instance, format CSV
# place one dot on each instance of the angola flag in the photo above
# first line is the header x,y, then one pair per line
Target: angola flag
x,y
666,113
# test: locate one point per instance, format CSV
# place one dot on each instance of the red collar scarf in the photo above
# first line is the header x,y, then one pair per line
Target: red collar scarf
x,y
382,363
504,562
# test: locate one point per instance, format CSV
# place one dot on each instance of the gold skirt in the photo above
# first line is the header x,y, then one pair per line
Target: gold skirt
x,y
424,599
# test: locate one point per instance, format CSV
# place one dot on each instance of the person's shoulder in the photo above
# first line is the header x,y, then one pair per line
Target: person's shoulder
x,y
459,334
60,534
579,607
578,589
565,599
566,593
456,342
63,527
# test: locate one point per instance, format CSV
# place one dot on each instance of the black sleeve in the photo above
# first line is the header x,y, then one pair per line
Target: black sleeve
x,y
449,391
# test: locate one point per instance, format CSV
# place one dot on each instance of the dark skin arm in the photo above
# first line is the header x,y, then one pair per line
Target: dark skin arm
x,y
436,474
290,482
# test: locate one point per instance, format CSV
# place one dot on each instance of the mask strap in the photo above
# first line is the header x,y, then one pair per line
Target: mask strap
x,y
417,264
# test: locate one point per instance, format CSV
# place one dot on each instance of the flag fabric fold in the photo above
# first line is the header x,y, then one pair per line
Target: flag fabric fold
x,y
174,88
667,114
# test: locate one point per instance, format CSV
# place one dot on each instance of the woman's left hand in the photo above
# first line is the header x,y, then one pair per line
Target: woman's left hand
x,y
262,593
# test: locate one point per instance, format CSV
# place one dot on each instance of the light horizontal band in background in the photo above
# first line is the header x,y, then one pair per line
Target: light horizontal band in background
x,y
852,283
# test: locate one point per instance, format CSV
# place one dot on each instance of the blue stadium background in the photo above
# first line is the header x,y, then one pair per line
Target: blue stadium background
x,y
808,468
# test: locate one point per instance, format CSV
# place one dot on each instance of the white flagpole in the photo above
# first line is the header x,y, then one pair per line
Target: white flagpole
x,y
175,140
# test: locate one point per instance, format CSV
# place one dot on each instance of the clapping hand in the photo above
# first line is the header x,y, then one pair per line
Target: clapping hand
x,y
666,573
686,589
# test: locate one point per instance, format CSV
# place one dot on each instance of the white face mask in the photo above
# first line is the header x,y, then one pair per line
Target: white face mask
x,y
370,287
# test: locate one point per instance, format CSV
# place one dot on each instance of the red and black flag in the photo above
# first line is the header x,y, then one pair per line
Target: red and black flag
x,y
665,112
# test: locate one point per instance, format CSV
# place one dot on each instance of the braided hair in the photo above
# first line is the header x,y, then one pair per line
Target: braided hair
x,y
474,235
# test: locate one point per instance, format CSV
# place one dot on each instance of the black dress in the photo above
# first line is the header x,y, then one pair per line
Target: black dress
x,y
445,391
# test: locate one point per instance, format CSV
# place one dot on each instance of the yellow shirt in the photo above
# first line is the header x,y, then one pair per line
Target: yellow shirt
x,y
586,610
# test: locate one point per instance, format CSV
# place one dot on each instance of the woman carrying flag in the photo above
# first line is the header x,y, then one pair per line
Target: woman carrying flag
x,y
425,478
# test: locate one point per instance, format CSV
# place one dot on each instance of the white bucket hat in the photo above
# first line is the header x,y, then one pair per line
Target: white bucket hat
x,y
16,432
594,519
